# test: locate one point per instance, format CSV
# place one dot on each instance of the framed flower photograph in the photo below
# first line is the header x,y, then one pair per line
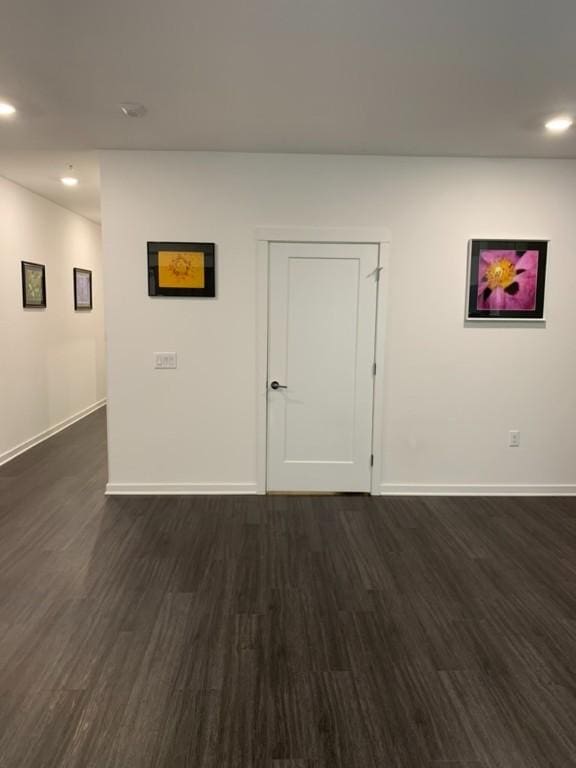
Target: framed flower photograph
x,y
33,285
181,269
82,289
506,279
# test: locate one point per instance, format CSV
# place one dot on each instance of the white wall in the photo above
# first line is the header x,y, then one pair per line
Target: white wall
x,y
451,392
52,361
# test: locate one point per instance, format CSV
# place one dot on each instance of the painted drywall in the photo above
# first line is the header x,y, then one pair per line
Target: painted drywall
x,y
52,361
451,391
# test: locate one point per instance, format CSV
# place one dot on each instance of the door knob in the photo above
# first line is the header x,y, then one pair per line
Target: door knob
x,y
276,385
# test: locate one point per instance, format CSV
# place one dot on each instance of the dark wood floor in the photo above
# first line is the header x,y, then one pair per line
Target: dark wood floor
x,y
287,632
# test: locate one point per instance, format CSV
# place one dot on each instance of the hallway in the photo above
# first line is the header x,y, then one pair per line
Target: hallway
x,y
279,632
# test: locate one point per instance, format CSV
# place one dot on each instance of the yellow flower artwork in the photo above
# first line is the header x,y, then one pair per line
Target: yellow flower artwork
x,y
181,269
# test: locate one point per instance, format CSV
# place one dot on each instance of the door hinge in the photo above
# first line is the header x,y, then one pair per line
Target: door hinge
x,y
378,270
371,459
373,369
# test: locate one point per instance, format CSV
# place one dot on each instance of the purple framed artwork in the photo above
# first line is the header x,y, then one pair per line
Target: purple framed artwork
x,y
82,289
506,279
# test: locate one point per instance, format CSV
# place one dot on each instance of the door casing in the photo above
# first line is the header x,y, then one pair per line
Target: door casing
x,y
267,235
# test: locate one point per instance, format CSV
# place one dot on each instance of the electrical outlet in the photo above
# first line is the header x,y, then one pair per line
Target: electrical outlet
x,y
165,360
514,441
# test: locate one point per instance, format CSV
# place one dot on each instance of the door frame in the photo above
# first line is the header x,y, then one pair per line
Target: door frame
x,y
354,235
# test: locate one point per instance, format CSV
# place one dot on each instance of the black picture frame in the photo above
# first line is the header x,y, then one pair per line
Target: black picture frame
x,y
79,304
533,284
155,287
28,301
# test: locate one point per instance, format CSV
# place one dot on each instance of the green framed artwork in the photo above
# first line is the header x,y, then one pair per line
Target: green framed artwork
x,y
33,285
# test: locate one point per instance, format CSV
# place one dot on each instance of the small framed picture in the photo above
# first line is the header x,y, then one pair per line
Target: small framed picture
x,y
181,269
82,289
506,279
33,285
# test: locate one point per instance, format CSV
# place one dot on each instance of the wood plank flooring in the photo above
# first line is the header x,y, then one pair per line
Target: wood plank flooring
x,y
279,632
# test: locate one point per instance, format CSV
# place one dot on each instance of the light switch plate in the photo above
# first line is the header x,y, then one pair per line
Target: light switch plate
x,y
165,360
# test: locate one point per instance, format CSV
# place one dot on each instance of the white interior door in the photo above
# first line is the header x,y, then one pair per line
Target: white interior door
x,y
322,325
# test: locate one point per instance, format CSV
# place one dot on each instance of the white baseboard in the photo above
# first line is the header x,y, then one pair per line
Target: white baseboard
x,y
192,489
417,489
27,444
179,489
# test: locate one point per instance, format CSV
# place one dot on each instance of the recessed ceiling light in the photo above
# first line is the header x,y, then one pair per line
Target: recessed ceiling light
x,y
69,179
559,124
132,109
6,109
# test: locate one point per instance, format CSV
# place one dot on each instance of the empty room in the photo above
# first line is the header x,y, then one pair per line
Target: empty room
x,y
288,378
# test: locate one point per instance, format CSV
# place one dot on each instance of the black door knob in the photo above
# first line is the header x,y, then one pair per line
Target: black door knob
x,y
276,385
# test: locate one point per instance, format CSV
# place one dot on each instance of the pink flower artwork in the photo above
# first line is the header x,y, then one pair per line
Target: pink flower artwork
x,y
507,280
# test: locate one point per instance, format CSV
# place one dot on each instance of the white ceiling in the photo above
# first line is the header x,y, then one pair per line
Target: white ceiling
x,y
40,171
424,77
